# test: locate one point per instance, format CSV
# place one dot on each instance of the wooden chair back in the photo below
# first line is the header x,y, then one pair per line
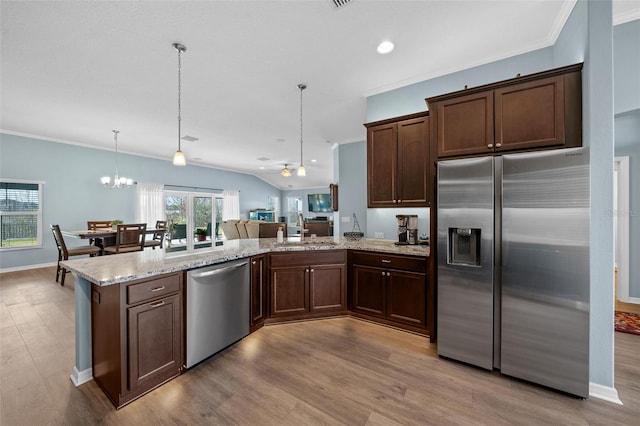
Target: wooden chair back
x,y
158,235
98,224
64,252
130,237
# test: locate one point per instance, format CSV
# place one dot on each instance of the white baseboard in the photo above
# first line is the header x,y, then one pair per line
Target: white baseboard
x,y
81,377
635,300
604,392
27,267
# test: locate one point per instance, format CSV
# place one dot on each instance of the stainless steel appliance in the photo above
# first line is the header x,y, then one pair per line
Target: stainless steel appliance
x,y
218,299
513,265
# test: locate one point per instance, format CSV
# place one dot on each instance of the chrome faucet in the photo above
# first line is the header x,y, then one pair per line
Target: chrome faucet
x,y
300,223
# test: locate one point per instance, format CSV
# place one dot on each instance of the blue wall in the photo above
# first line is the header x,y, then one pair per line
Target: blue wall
x,y
626,71
352,186
72,193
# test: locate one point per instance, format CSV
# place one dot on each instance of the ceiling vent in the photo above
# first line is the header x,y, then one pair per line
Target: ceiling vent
x,y
340,3
190,138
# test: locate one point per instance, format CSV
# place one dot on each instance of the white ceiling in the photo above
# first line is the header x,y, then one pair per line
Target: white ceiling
x,y
73,71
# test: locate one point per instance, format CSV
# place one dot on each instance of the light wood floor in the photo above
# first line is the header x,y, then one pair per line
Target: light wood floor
x,y
330,372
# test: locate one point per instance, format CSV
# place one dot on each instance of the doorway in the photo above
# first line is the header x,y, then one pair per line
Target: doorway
x,y
192,220
621,236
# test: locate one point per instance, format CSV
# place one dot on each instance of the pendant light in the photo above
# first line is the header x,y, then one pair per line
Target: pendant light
x,y
118,181
178,157
301,169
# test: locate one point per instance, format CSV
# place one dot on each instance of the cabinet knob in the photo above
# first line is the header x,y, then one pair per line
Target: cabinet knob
x,y
498,145
311,270
388,274
253,262
395,201
383,273
490,146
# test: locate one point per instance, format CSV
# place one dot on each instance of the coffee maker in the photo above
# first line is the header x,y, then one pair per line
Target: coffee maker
x,y
407,229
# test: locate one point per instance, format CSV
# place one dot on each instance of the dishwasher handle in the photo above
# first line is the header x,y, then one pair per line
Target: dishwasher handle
x,y
218,271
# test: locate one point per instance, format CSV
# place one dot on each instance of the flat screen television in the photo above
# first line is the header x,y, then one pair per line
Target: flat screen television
x,y
319,203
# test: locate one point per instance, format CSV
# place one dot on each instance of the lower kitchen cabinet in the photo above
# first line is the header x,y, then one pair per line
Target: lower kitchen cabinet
x,y
390,288
137,339
307,284
259,290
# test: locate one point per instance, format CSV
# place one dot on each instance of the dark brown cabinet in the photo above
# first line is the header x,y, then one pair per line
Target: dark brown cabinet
x,y
538,111
397,162
308,284
258,291
136,335
391,288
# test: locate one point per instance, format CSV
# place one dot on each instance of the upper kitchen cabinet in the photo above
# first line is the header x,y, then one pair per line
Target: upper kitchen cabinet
x,y
538,111
397,162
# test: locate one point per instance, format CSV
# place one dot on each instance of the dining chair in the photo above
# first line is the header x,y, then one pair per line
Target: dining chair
x,y
158,235
129,238
93,225
64,252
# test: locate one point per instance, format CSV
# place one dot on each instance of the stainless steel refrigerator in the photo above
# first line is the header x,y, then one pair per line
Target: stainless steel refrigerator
x,y
513,265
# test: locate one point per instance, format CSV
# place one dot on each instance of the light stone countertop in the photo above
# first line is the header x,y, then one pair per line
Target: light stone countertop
x,y
107,270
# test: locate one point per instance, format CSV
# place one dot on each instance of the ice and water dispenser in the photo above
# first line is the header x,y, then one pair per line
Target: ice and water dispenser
x,y
464,246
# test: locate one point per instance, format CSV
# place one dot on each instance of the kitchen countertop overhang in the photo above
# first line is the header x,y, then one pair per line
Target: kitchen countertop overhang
x,y
107,270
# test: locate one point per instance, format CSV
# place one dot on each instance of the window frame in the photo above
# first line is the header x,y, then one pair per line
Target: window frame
x,y
37,214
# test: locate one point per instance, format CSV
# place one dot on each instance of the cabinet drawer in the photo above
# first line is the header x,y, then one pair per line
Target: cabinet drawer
x,y
152,289
408,263
308,258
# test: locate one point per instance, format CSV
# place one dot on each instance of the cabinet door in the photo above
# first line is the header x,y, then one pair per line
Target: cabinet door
x,y
369,290
406,297
289,291
381,165
530,115
465,125
327,288
154,340
413,163
258,290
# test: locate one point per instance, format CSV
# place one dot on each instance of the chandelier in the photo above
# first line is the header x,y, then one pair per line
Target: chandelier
x,y
178,157
118,181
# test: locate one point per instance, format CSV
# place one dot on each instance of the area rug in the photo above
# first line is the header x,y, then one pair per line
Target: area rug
x,y
626,322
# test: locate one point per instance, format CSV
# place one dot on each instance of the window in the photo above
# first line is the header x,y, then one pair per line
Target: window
x,y
20,214
294,206
192,219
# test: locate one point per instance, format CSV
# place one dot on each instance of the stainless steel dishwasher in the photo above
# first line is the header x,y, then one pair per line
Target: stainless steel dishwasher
x,y
218,299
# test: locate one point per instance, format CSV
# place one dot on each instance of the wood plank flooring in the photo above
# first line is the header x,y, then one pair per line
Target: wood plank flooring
x,y
340,371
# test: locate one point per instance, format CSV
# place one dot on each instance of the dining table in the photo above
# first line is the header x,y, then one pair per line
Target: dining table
x,y
86,234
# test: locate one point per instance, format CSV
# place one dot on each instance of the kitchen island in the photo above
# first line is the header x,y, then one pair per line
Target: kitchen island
x,y
123,268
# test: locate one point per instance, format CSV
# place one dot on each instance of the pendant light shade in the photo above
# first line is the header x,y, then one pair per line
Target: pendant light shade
x,y
301,170
178,157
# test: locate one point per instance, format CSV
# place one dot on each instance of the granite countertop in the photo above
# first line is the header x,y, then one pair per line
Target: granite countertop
x,y
106,270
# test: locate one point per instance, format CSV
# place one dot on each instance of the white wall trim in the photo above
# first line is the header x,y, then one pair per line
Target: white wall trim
x,y
27,267
605,393
621,212
80,377
635,300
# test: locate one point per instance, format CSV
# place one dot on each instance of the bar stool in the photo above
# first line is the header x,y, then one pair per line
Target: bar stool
x,y
64,252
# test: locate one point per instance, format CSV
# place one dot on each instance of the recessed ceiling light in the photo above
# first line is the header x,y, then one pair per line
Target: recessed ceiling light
x,y
261,167
314,160
385,47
